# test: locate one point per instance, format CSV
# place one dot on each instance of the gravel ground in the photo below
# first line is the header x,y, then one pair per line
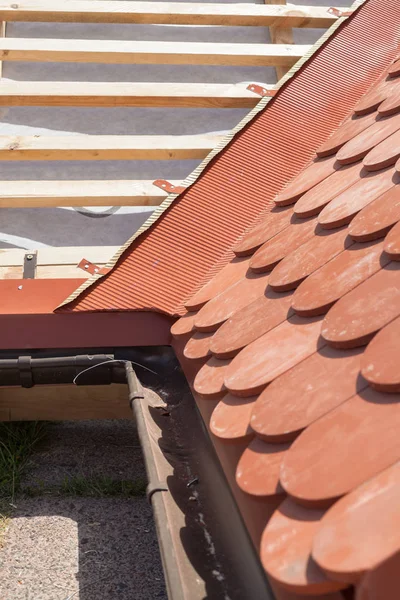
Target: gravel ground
x,y
82,548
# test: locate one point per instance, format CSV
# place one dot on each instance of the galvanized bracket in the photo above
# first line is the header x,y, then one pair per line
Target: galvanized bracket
x,y
261,91
338,12
30,262
91,268
168,187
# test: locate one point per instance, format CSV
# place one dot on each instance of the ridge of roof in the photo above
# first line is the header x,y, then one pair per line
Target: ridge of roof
x,y
151,268
293,353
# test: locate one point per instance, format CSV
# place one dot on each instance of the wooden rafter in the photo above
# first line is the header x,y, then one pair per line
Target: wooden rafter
x,y
177,13
280,33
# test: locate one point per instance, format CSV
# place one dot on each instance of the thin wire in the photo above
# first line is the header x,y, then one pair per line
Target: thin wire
x,y
112,360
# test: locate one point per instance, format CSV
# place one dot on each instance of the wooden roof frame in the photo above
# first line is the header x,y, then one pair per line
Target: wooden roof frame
x,y
281,53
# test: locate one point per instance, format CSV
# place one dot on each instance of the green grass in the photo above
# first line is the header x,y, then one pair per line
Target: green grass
x,y
17,442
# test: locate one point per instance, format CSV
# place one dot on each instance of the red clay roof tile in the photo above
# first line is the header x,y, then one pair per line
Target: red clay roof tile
x,y
209,381
184,325
391,105
376,96
230,419
272,354
316,172
394,69
306,392
198,346
297,232
271,224
250,323
337,277
362,312
375,220
359,146
344,207
380,362
230,274
392,243
319,196
350,128
226,304
384,154
259,468
362,529
309,257
343,449
286,550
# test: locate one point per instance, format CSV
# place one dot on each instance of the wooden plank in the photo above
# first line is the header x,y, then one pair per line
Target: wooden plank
x,y
176,13
67,255
55,263
107,147
114,94
280,34
139,52
64,402
23,194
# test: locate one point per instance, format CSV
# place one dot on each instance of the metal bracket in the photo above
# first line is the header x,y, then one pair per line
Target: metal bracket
x,y
152,488
261,91
30,261
89,267
25,371
168,187
338,12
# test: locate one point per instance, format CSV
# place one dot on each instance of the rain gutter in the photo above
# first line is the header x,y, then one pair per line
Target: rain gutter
x,y
205,548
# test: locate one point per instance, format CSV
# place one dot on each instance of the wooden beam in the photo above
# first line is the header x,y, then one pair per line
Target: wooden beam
x,y
107,147
280,34
68,255
64,402
130,52
111,94
176,13
41,194
53,262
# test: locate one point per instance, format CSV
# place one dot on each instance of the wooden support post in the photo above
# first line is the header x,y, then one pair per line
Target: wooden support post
x,y
280,35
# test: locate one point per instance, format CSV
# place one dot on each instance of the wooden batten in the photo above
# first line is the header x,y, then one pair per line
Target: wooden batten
x,y
118,94
174,13
48,194
150,53
107,147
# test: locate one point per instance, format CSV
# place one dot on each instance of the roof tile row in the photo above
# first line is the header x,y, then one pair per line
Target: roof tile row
x,y
283,329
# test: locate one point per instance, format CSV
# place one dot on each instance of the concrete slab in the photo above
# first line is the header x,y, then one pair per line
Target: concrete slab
x,y
59,547
97,549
